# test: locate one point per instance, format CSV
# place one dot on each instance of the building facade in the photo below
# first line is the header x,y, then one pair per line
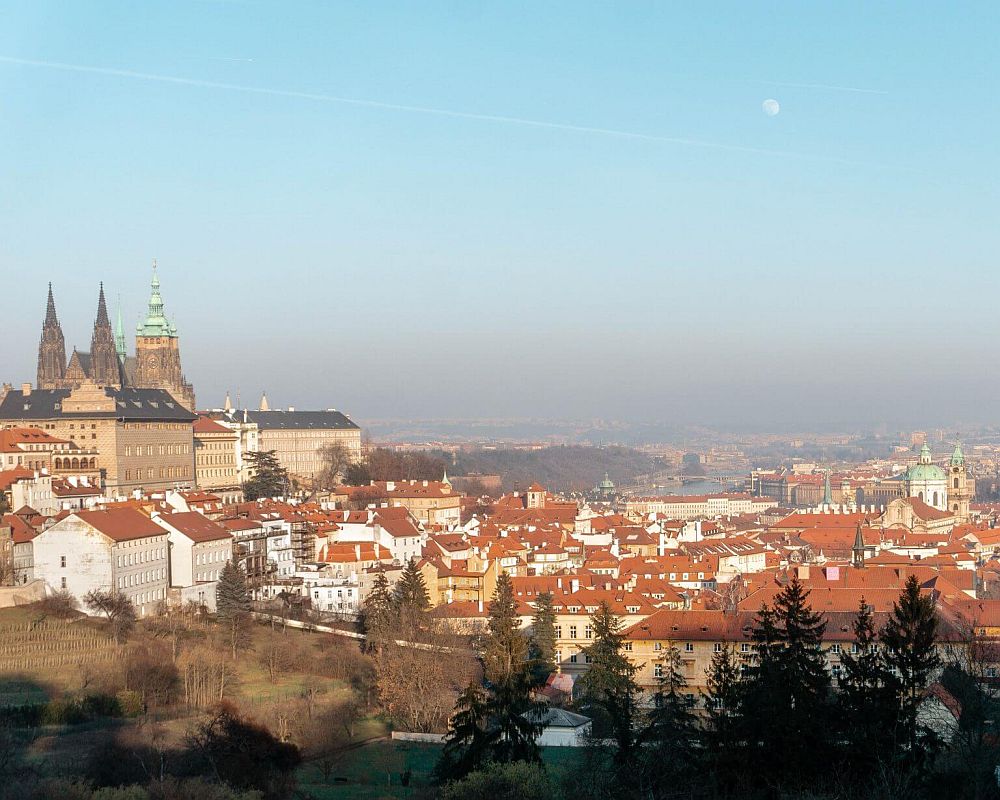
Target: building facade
x,y
297,437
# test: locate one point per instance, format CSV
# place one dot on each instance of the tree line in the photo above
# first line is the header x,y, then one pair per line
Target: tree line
x,y
776,722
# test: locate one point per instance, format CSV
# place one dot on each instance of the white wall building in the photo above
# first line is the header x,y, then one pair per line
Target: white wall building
x,y
116,549
199,549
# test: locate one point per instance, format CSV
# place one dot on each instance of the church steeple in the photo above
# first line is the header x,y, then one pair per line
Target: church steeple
x,y
105,369
858,550
827,491
156,324
51,349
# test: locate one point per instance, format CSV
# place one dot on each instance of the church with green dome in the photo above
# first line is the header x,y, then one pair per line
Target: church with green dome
x,y
928,482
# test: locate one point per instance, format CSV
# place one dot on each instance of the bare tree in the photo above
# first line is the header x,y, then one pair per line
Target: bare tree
x,y
277,654
336,458
118,609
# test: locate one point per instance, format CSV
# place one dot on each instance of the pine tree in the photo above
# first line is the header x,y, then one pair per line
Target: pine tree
x,y
908,641
723,695
231,594
232,605
671,731
608,691
410,601
471,736
865,699
787,690
376,617
543,638
268,477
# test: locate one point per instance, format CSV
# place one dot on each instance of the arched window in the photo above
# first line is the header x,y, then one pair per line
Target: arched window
x,y
58,463
920,496
75,463
956,483
935,500
955,507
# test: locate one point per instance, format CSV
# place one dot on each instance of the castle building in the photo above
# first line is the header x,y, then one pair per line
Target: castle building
x,y
156,364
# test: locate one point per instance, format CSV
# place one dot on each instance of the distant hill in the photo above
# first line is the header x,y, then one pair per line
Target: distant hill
x,y
560,468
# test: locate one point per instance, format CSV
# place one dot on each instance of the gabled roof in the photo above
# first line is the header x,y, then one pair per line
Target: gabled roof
x,y
121,524
196,527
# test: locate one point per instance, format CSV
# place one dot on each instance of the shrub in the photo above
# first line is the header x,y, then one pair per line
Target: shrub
x,y
130,703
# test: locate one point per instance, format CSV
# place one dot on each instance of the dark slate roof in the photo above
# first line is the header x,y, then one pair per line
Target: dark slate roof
x,y
557,718
300,420
131,404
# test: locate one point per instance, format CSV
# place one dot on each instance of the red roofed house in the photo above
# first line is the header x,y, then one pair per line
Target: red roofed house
x,y
118,549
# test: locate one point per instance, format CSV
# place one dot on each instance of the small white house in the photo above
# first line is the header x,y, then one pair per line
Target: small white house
x,y
563,728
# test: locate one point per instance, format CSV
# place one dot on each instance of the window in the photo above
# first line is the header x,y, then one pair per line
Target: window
x,y
657,670
558,631
572,659
572,631
658,646
688,647
588,632
62,583
717,647
62,561
744,647
835,649
628,646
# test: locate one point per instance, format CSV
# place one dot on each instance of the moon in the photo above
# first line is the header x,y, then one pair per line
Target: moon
x,y
771,107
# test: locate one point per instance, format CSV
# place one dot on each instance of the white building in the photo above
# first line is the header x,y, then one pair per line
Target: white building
x,y
199,549
117,549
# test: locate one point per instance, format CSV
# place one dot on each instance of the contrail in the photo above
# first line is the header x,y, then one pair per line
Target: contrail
x,y
443,112
825,86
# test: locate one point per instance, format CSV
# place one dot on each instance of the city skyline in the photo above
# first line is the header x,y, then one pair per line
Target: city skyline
x,y
591,203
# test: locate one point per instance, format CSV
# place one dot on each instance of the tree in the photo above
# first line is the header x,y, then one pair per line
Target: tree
x,y
470,735
723,684
908,640
357,475
267,477
245,755
543,638
232,606
276,654
786,690
671,731
335,458
865,700
504,782
376,616
119,610
410,599
608,690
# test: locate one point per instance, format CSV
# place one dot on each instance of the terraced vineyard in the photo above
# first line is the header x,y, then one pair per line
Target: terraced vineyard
x,y
34,647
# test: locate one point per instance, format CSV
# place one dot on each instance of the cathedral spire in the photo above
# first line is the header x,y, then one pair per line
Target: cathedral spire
x,y
105,369
50,309
263,403
156,324
102,311
51,349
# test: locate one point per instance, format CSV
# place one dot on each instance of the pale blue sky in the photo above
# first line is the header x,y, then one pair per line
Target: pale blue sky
x,y
835,262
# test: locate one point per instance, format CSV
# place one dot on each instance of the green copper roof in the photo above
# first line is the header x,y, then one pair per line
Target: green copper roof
x,y
156,324
958,457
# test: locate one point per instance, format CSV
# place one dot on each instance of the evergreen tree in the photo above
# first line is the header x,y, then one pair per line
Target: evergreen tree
x,y
865,701
410,599
723,695
543,639
508,676
231,593
608,691
908,641
268,477
232,605
787,690
376,616
471,736
671,730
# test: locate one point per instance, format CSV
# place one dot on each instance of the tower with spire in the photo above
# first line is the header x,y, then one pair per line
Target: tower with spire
x,y
51,350
105,370
962,487
157,352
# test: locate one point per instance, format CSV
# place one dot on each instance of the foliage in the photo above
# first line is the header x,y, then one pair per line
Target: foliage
x,y
61,605
232,604
542,650
671,732
335,458
377,614
390,465
357,474
268,477
410,599
908,642
608,691
515,781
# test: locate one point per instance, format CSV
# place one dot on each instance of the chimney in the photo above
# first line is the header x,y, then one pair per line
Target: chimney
x,y
26,389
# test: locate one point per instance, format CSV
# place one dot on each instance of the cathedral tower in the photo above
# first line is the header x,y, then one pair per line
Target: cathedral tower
x,y
51,350
105,369
157,354
961,487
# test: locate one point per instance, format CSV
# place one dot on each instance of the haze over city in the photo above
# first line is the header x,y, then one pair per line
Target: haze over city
x,y
576,211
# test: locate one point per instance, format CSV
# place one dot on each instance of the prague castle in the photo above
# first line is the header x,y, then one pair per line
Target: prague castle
x,y
155,365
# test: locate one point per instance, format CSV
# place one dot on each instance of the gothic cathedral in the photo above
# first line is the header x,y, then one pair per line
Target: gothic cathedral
x,y
156,364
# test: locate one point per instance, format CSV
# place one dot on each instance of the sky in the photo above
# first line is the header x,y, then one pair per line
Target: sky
x,y
565,210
